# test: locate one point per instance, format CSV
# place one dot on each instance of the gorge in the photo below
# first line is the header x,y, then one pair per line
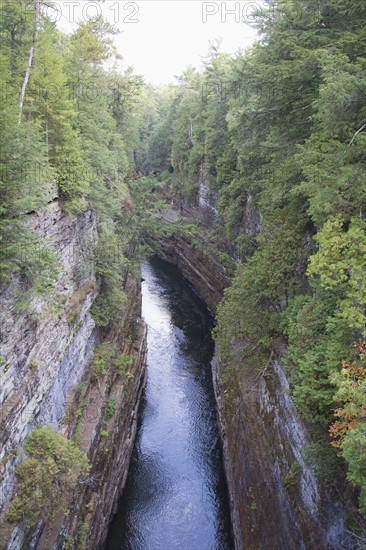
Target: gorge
x,y
240,190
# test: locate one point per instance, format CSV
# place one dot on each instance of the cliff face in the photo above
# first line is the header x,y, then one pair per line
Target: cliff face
x,y
276,501
46,354
275,497
205,273
103,417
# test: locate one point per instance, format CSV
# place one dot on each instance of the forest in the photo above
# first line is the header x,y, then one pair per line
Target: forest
x,y
282,123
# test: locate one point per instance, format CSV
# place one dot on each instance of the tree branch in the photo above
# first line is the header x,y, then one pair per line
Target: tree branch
x,y
358,131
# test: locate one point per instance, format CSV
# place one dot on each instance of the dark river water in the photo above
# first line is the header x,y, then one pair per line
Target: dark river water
x,y
175,496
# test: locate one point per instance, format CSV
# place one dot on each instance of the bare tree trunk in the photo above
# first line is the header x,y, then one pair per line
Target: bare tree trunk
x,y
47,140
37,5
356,134
190,134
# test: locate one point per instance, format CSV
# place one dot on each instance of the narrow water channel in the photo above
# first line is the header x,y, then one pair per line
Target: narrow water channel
x,y
175,496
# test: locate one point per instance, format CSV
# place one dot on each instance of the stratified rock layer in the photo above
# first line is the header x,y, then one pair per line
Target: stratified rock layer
x,y
44,370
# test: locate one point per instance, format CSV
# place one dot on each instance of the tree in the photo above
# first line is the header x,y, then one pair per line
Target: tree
x,y
341,263
348,430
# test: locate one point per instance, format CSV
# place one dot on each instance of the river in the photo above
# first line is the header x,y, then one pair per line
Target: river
x,y
175,496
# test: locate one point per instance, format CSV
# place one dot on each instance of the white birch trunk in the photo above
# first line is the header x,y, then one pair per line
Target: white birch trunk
x,y
37,6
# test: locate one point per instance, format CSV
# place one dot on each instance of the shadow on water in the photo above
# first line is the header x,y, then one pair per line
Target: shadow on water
x,y
175,495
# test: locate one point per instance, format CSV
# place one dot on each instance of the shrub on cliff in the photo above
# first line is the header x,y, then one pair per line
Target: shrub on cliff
x,y
111,268
50,469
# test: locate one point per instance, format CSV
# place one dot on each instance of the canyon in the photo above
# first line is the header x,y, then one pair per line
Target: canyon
x,y
47,357
245,174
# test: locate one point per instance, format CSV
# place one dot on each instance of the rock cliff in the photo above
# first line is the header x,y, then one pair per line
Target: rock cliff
x,y
45,358
203,271
276,501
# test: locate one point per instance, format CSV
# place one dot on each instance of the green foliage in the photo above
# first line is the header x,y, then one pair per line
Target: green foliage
x,y
293,476
111,407
314,345
23,159
81,123
122,362
145,224
323,460
253,505
226,260
340,263
82,534
49,470
108,359
110,266
41,269
101,359
321,328
49,102
250,313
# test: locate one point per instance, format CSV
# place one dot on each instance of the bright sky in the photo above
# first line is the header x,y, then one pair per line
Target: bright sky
x,y
160,38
